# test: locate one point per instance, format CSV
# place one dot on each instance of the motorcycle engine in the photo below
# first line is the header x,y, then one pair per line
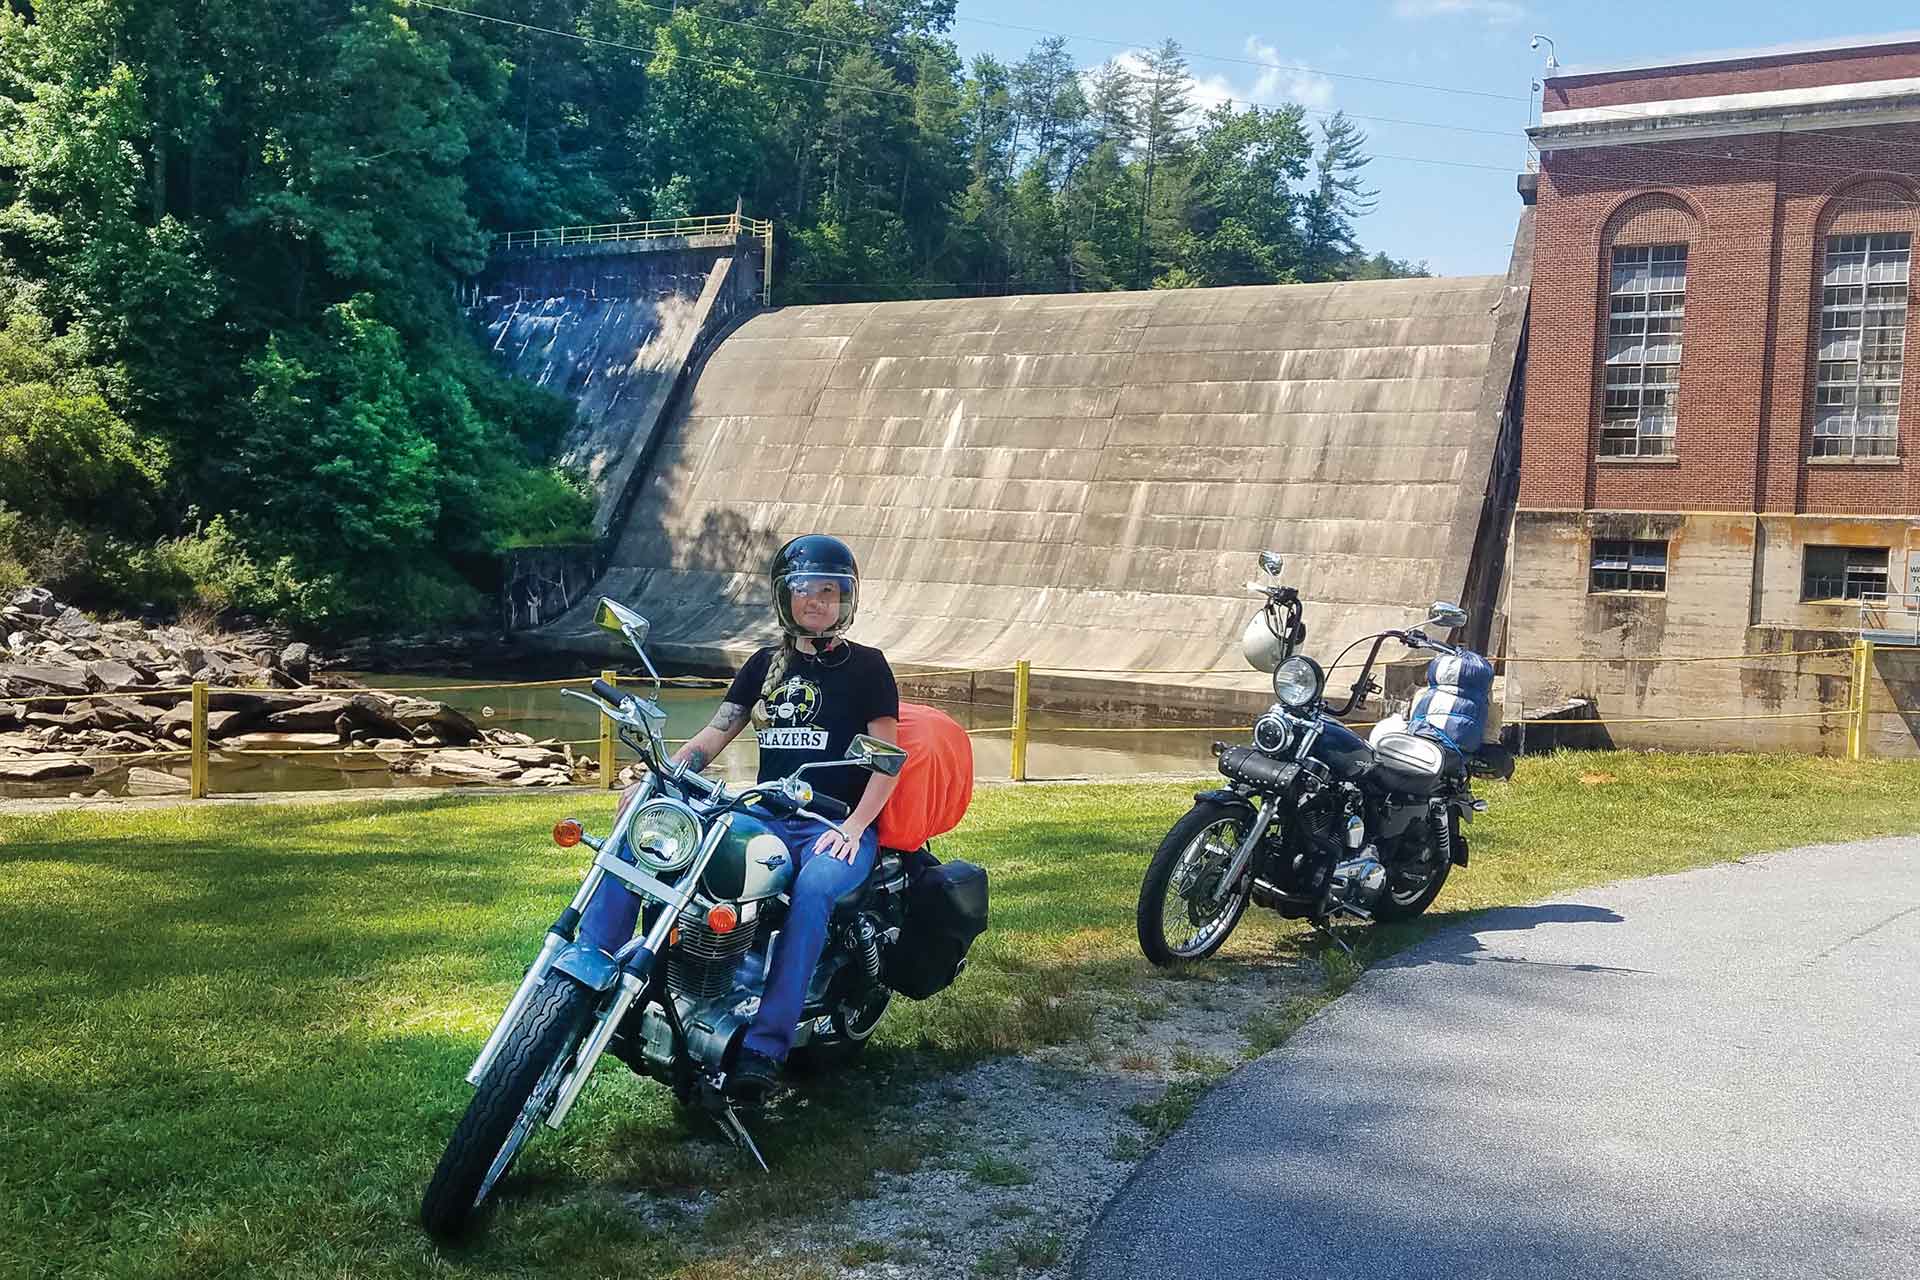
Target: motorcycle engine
x,y
701,965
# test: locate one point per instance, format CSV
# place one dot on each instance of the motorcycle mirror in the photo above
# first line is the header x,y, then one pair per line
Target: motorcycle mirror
x,y
1271,561
1441,613
877,754
614,616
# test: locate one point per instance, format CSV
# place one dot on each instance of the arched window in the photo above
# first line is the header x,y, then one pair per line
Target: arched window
x,y
1645,246
1865,243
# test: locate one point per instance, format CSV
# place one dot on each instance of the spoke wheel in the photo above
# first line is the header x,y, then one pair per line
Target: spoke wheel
x,y
1182,915
513,1097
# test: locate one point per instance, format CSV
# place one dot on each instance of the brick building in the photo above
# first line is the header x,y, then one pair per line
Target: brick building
x,y
1722,395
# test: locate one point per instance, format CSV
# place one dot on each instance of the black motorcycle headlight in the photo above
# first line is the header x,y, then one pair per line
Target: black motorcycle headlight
x,y
1297,682
1271,733
664,836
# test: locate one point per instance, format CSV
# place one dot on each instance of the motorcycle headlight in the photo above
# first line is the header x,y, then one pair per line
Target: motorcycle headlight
x,y
664,836
1271,734
1297,682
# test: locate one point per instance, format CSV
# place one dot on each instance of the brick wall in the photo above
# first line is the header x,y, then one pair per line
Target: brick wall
x,y
1754,212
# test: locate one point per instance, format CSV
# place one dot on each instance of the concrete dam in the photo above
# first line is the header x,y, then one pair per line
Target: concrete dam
x,y
1077,480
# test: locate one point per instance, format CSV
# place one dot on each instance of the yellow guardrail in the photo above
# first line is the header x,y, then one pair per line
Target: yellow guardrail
x,y
1857,714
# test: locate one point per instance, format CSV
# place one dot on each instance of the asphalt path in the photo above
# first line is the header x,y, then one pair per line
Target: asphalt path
x,y
1712,1074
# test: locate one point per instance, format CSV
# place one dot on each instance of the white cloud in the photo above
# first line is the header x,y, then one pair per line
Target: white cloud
x,y
1283,81
1495,12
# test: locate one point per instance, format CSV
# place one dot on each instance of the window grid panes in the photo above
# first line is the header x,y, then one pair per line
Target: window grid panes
x,y
1845,573
1863,336
1621,564
1646,309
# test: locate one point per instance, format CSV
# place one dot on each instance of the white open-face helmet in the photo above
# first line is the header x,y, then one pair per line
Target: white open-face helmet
x,y
1262,644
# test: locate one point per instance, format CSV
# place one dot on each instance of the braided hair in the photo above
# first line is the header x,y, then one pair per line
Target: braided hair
x,y
777,669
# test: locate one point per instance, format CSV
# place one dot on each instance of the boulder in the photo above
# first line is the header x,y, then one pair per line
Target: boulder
x,y
371,716
42,768
76,624
26,681
177,722
282,741
35,600
544,778
297,661
471,766
532,757
112,676
437,717
310,717
152,782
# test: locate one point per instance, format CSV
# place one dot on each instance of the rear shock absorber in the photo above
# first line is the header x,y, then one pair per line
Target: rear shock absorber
x,y
864,942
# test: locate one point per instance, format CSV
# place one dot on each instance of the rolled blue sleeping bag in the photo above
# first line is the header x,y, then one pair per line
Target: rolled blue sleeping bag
x,y
1455,705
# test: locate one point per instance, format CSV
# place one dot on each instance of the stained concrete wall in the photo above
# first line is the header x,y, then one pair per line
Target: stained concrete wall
x,y
1083,480
613,327
1734,584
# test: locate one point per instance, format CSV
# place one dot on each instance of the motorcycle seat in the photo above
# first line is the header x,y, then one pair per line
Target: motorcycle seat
x,y
886,868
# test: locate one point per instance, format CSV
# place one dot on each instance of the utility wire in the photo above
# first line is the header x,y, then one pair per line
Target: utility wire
x,y
1254,62
745,69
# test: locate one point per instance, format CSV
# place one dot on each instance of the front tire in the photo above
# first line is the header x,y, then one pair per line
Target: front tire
x,y
1196,852
509,1103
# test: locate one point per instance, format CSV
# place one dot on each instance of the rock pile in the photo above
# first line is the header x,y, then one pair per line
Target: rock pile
x,y
79,699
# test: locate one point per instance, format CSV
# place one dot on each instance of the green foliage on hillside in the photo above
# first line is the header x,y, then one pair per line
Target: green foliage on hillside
x,y
233,368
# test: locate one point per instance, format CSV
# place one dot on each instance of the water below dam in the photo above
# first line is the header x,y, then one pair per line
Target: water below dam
x,y
1059,745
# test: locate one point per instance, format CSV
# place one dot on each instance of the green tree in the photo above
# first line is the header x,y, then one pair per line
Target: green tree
x,y
1339,197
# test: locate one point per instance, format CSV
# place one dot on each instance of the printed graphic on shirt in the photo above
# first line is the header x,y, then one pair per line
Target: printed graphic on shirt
x,y
793,739
792,710
795,702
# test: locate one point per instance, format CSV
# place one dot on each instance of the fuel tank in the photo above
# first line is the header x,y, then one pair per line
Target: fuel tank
x,y
1341,750
751,863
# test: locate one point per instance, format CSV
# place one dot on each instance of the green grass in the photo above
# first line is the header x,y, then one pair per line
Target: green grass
x,y
236,1035
997,1172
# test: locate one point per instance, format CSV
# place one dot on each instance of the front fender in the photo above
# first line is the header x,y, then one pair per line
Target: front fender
x,y
1225,799
587,965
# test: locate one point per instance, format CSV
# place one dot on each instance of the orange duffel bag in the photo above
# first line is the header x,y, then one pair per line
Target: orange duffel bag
x,y
936,783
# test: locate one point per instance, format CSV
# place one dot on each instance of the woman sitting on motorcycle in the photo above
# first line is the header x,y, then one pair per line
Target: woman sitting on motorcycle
x,y
808,697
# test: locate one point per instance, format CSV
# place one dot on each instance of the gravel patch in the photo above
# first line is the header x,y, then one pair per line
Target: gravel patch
x,y
1030,1147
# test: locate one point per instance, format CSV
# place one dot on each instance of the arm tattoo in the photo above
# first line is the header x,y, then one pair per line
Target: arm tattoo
x,y
696,759
728,718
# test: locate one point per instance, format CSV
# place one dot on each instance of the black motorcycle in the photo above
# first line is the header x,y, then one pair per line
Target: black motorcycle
x,y
1315,822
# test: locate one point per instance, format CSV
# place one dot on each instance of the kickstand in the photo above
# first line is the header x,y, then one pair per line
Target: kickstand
x,y
1326,927
736,1132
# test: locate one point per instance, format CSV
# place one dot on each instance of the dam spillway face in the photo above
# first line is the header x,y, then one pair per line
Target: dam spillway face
x,y
1083,480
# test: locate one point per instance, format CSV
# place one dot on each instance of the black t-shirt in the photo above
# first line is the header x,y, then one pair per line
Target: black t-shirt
x,y
820,704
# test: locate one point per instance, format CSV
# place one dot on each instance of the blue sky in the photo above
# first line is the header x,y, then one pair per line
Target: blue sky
x,y
1459,219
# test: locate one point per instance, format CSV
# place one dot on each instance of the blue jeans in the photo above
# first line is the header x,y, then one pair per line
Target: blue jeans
x,y
819,881
610,917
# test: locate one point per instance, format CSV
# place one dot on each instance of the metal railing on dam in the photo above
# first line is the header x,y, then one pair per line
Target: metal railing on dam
x,y
649,229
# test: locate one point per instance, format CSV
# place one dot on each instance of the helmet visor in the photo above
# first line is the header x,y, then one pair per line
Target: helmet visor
x,y
815,604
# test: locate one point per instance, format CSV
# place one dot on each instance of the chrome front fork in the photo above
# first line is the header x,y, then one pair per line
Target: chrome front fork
x,y
633,978
537,972
1223,887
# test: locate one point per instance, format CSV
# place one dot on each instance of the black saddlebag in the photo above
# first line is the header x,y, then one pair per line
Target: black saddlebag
x,y
946,911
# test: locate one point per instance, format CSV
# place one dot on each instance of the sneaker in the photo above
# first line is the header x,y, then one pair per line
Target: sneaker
x,y
753,1077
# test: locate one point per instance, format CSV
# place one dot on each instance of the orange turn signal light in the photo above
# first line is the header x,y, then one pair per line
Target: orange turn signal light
x,y
722,918
567,833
